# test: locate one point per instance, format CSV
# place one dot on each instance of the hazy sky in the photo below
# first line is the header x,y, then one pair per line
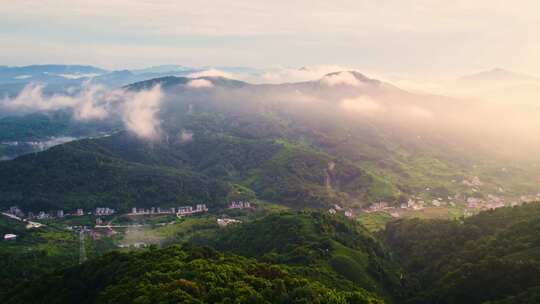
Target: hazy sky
x,y
388,36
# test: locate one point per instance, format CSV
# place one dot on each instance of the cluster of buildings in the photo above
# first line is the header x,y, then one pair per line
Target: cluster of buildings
x,y
153,210
222,222
414,204
133,245
55,214
471,204
189,210
104,211
337,208
58,214
41,215
180,211
239,205
491,202
494,202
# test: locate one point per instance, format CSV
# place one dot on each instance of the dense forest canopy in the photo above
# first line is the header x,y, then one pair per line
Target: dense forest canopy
x,y
313,257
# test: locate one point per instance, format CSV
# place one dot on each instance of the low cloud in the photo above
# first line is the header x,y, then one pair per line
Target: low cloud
x,y
200,83
140,113
32,99
89,103
137,110
417,112
343,78
77,76
213,73
362,105
92,103
282,75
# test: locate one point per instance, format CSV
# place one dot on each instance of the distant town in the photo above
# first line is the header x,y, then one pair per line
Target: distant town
x,y
29,217
471,204
17,213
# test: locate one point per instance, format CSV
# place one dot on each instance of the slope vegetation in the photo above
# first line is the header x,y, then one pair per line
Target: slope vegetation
x,y
492,257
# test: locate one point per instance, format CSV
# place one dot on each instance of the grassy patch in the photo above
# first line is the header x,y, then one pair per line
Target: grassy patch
x,y
374,221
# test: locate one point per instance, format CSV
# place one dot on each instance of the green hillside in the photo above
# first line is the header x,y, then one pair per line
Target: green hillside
x,y
83,175
242,135
286,257
33,132
39,251
291,256
181,275
38,126
330,249
121,171
494,256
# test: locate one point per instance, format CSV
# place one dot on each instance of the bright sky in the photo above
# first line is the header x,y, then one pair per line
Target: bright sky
x,y
387,36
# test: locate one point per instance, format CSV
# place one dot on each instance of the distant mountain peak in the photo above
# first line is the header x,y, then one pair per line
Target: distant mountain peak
x,y
497,74
356,74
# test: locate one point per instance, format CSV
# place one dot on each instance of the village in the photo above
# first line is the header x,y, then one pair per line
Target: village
x,y
99,213
179,211
469,204
57,214
338,209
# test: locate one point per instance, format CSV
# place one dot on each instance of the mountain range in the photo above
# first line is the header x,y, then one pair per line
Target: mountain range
x,y
343,139
316,158
61,78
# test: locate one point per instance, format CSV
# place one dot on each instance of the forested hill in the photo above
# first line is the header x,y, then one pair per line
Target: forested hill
x,y
121,171
329,248
493,257
294,144
181,275
312,257
286,257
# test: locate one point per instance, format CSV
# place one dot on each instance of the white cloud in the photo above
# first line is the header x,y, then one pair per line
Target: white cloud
x,y
343,78
282,75
77,76
249,17
213,73
362,105
140,111
88,104
92,103
404,35
417,112
301,97
200,83
31,98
